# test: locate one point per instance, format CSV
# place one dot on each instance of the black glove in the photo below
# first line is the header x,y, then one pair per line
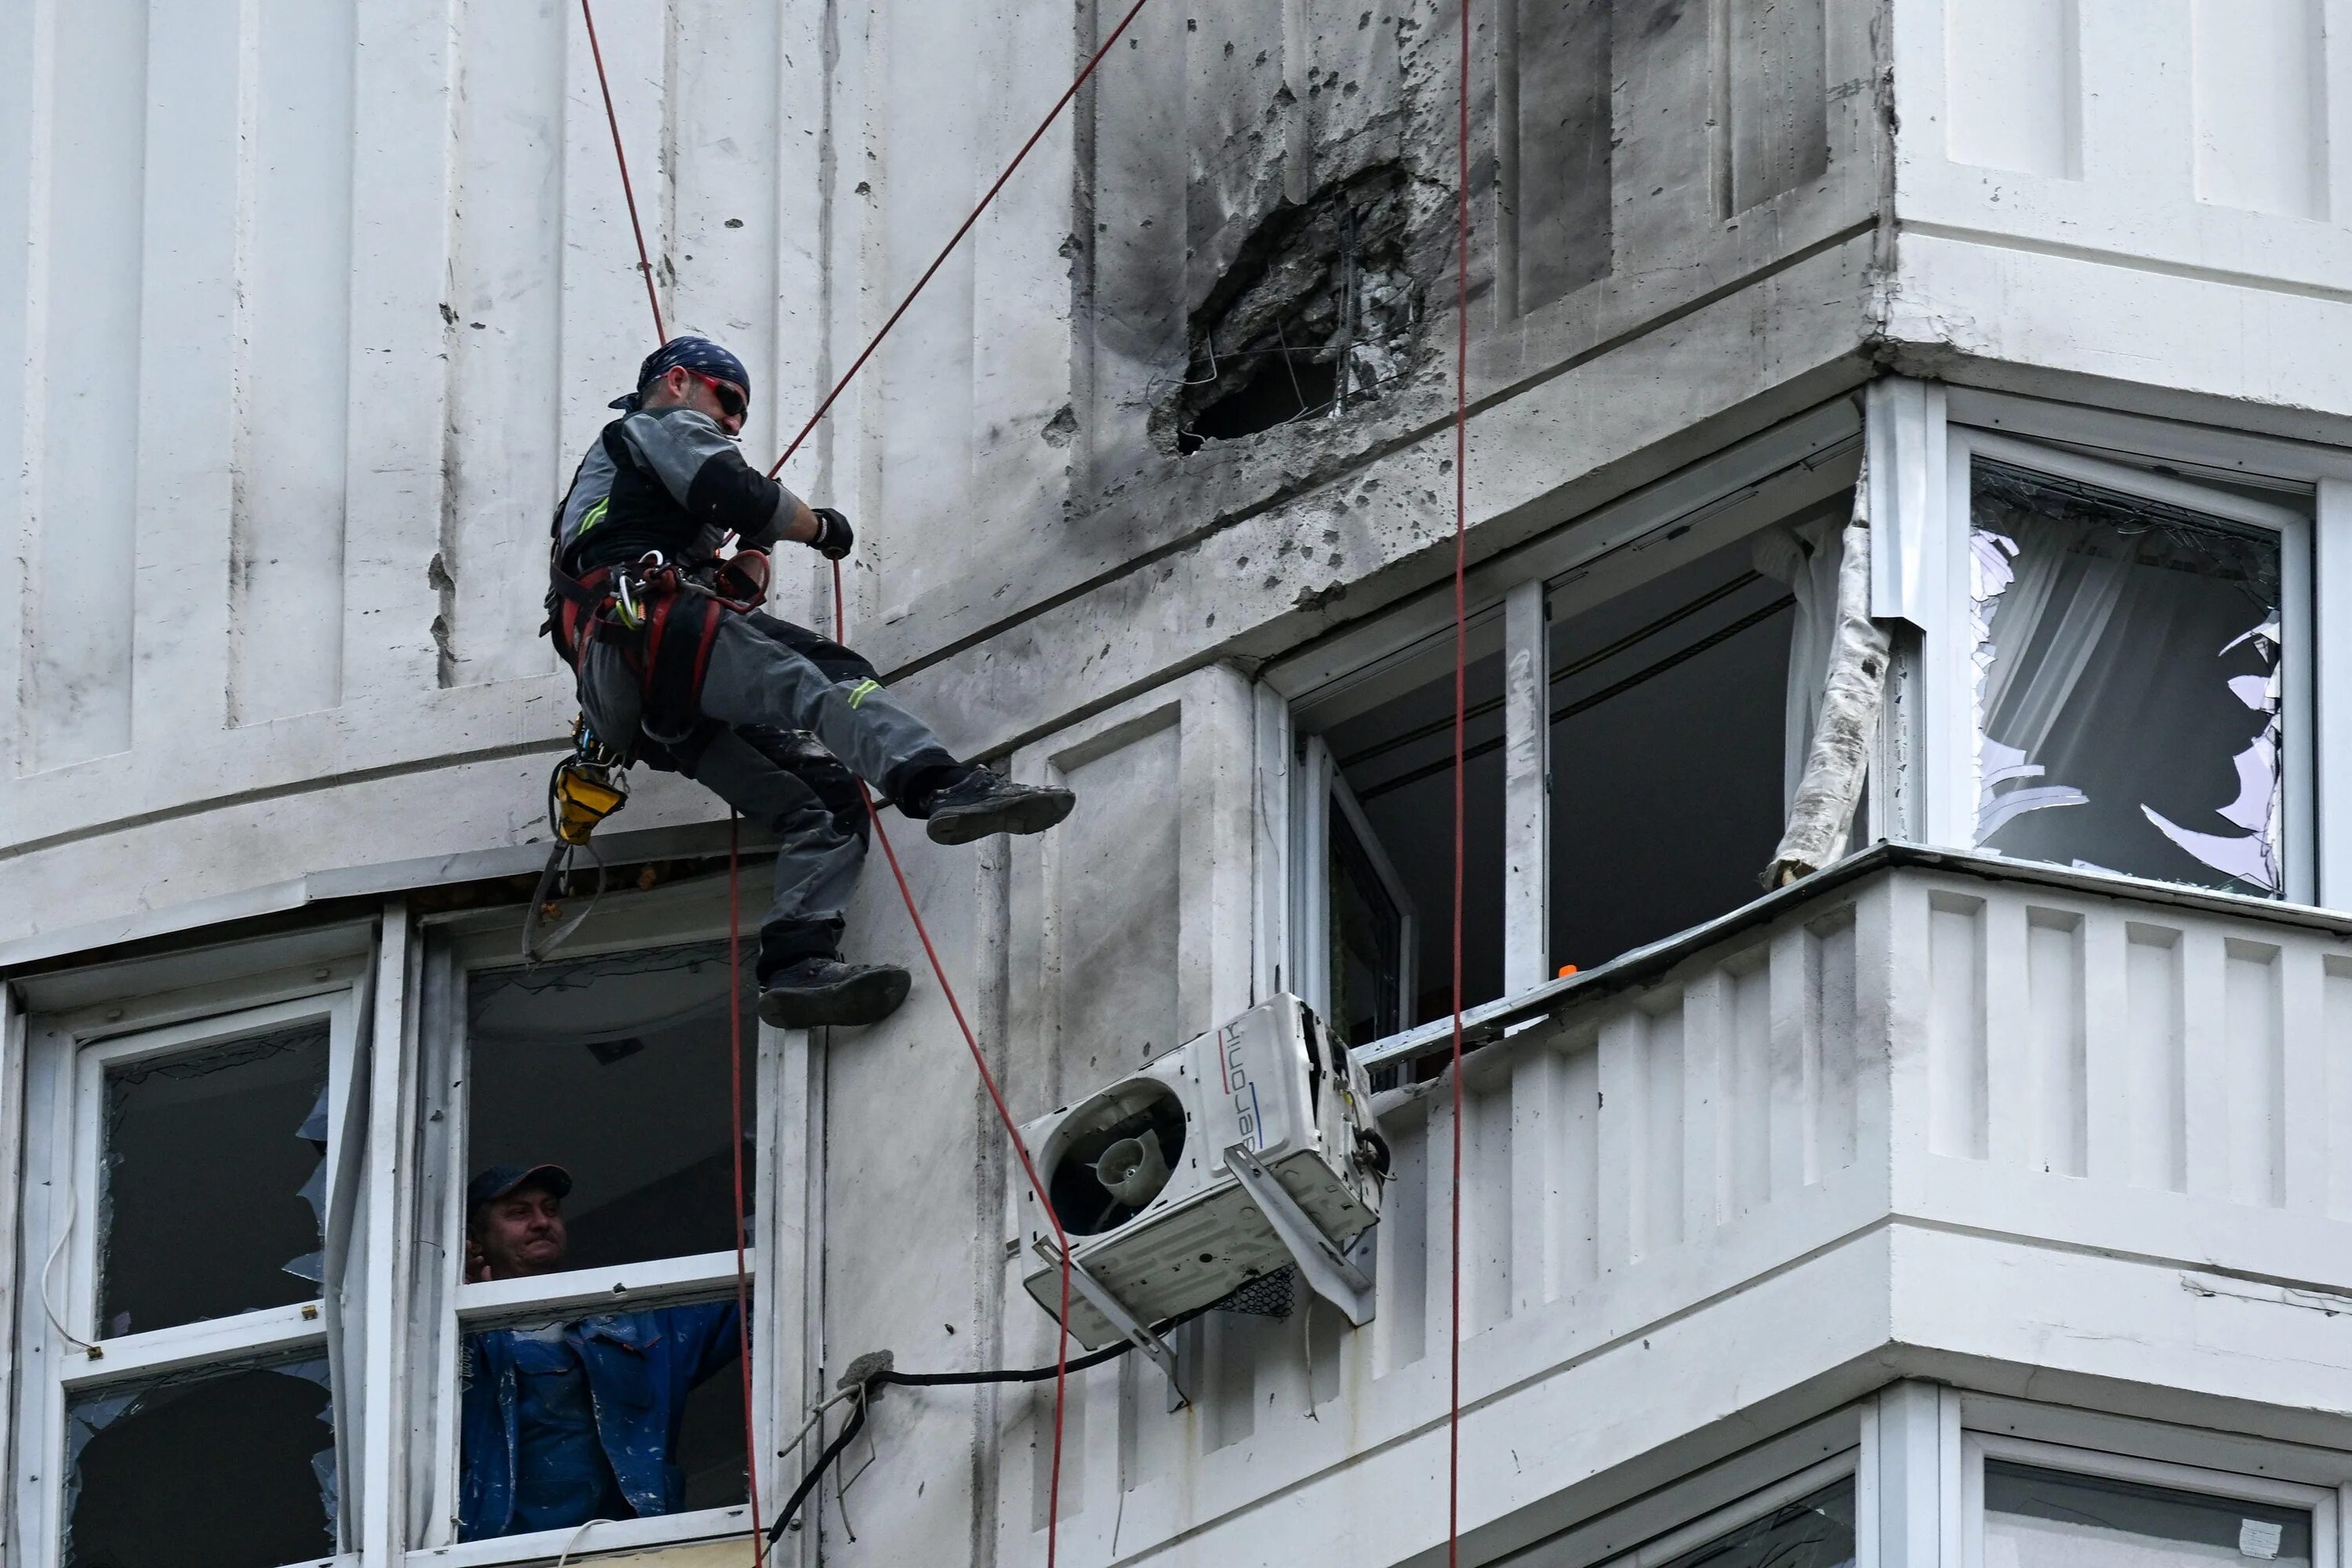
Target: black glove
x,y
833,539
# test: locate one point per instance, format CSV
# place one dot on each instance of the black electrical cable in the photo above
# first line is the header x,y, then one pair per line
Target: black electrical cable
x,y
832,1450
856,1423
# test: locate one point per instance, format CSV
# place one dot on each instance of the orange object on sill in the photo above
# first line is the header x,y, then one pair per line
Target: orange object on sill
x,y
1565,970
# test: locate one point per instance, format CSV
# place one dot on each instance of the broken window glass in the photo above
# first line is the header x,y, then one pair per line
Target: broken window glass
x,y
213,1190
2128,683
2045,1519
1398,759
618,1415
1814,1531
215,1469
1672,741
615,1068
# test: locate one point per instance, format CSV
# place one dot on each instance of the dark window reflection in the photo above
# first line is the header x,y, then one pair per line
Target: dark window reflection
x,y
1672,736
1399,759
233,1469
214,1181
2046,1518
1815,1531
1368,937
616,1069
2128,684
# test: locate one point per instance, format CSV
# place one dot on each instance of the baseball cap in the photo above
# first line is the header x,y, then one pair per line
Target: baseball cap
x,y
498,1181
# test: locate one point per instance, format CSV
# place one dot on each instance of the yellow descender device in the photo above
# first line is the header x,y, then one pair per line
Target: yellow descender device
x,y
588,786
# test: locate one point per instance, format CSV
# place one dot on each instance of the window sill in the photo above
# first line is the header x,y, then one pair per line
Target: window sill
x,y
586,1291
546,1545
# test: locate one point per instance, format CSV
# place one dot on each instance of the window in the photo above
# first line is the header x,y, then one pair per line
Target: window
x,y
1815,1530
1387,793
2132,643
1363,974
2042,1505
1639,701
1752,1511
2036,1518
593,1204
187,1379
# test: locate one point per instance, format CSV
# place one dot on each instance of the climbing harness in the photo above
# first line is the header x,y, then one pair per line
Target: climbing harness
x,y
663,620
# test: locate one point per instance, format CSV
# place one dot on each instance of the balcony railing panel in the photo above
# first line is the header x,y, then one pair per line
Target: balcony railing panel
x,y
2047,1056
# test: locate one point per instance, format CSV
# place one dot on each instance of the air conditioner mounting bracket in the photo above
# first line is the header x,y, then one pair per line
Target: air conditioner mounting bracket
x,y
1332,1274
1162,1353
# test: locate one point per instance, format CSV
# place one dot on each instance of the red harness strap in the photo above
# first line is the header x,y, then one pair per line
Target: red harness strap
x,y
676,621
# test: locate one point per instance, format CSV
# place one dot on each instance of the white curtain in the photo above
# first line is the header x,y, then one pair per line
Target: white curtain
x,y
2096,627
1803,557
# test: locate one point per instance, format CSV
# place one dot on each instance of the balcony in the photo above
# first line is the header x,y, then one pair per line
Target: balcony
x,y
2053,1135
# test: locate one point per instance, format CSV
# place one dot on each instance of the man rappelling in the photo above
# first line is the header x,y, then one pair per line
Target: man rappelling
x,y
679,669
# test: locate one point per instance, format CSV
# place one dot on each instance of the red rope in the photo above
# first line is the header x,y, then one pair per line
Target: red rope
x,y
1003,1114
1461,667
972,1042
735,1124
628,193
957,238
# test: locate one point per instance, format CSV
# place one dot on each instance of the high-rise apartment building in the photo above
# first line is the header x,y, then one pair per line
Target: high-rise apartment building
x,y
1982,1201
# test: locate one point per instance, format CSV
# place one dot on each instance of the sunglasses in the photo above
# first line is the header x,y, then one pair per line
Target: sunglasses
x,y
732,401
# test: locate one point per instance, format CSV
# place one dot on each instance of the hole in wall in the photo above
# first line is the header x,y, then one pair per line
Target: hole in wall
x,y
1317,315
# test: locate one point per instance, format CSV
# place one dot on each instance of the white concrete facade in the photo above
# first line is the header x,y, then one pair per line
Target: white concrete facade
x,y
1944,1160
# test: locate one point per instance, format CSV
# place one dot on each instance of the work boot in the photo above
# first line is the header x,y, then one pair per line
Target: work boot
x,y
983,802
812,992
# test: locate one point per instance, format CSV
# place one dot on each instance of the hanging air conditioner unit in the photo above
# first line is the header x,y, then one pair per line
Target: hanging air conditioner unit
x,y
1245,1150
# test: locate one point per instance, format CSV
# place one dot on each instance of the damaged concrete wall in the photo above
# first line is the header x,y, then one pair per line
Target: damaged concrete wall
x,y
357,353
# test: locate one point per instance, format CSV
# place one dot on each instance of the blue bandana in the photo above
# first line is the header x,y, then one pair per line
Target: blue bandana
x,y
691,354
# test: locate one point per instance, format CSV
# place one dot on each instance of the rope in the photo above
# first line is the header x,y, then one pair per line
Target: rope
x,y
972,1042
735,1147
957,238
1461,667
628,192
1003,1114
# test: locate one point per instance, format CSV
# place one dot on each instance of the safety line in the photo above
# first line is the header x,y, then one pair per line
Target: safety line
x,y
734,906
628,192
988,1081
751,1455
956,238
1461,667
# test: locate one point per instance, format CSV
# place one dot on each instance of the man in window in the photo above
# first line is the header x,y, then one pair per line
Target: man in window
x,y
563,1422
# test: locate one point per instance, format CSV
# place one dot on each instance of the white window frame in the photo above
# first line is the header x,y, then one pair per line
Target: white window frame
x,y
444,1305
1321,791
1952,794
1977,1446
66,1061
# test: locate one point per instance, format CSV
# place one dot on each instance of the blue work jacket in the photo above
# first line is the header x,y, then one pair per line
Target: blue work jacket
x,y
640,1367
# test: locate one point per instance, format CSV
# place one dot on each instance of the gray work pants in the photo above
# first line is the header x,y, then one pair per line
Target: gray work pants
x,y
787,723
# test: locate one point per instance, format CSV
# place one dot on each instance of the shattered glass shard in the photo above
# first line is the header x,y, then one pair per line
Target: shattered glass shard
x,y
2089,610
